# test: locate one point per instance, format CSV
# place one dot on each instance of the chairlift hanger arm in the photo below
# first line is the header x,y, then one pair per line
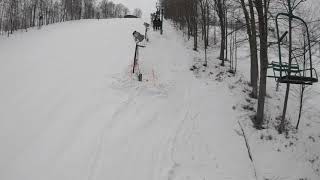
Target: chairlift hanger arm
x,y
283,36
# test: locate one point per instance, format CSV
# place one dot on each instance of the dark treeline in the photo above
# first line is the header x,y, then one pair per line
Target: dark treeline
x,y
23,14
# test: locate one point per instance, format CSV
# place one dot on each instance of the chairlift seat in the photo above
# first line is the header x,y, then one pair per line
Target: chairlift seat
x,y
297,80
295,74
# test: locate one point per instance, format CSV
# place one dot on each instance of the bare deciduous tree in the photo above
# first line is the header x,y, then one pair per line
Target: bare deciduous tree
x,y
23,14
137,12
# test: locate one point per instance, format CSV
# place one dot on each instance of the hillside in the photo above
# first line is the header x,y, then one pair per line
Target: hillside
x,y
71,109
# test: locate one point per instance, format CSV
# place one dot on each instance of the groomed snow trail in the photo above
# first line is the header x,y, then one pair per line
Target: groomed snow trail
x,y
70,109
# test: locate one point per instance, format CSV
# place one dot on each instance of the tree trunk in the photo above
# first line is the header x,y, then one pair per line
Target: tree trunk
x,y
221,15
34,13
208,24
226,31
263,63
284,112
254,52
195,36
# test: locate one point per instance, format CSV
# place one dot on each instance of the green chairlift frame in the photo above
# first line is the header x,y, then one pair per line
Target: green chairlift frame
x,y
290,73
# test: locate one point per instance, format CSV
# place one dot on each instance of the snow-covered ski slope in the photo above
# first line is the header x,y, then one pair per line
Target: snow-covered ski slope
x,y
71,110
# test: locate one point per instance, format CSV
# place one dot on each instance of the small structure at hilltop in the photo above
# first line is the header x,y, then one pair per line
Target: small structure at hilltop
x,y
130,16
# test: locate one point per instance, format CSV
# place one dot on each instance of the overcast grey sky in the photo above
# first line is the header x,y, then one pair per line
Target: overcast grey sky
x,y
147,6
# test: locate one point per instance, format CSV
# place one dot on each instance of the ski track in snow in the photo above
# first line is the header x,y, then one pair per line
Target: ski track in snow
x,y
79,114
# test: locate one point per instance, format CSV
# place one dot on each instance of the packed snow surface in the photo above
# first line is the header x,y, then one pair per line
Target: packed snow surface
x,y
70,109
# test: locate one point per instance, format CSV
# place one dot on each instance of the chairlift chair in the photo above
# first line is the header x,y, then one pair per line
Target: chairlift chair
x,y
292,73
